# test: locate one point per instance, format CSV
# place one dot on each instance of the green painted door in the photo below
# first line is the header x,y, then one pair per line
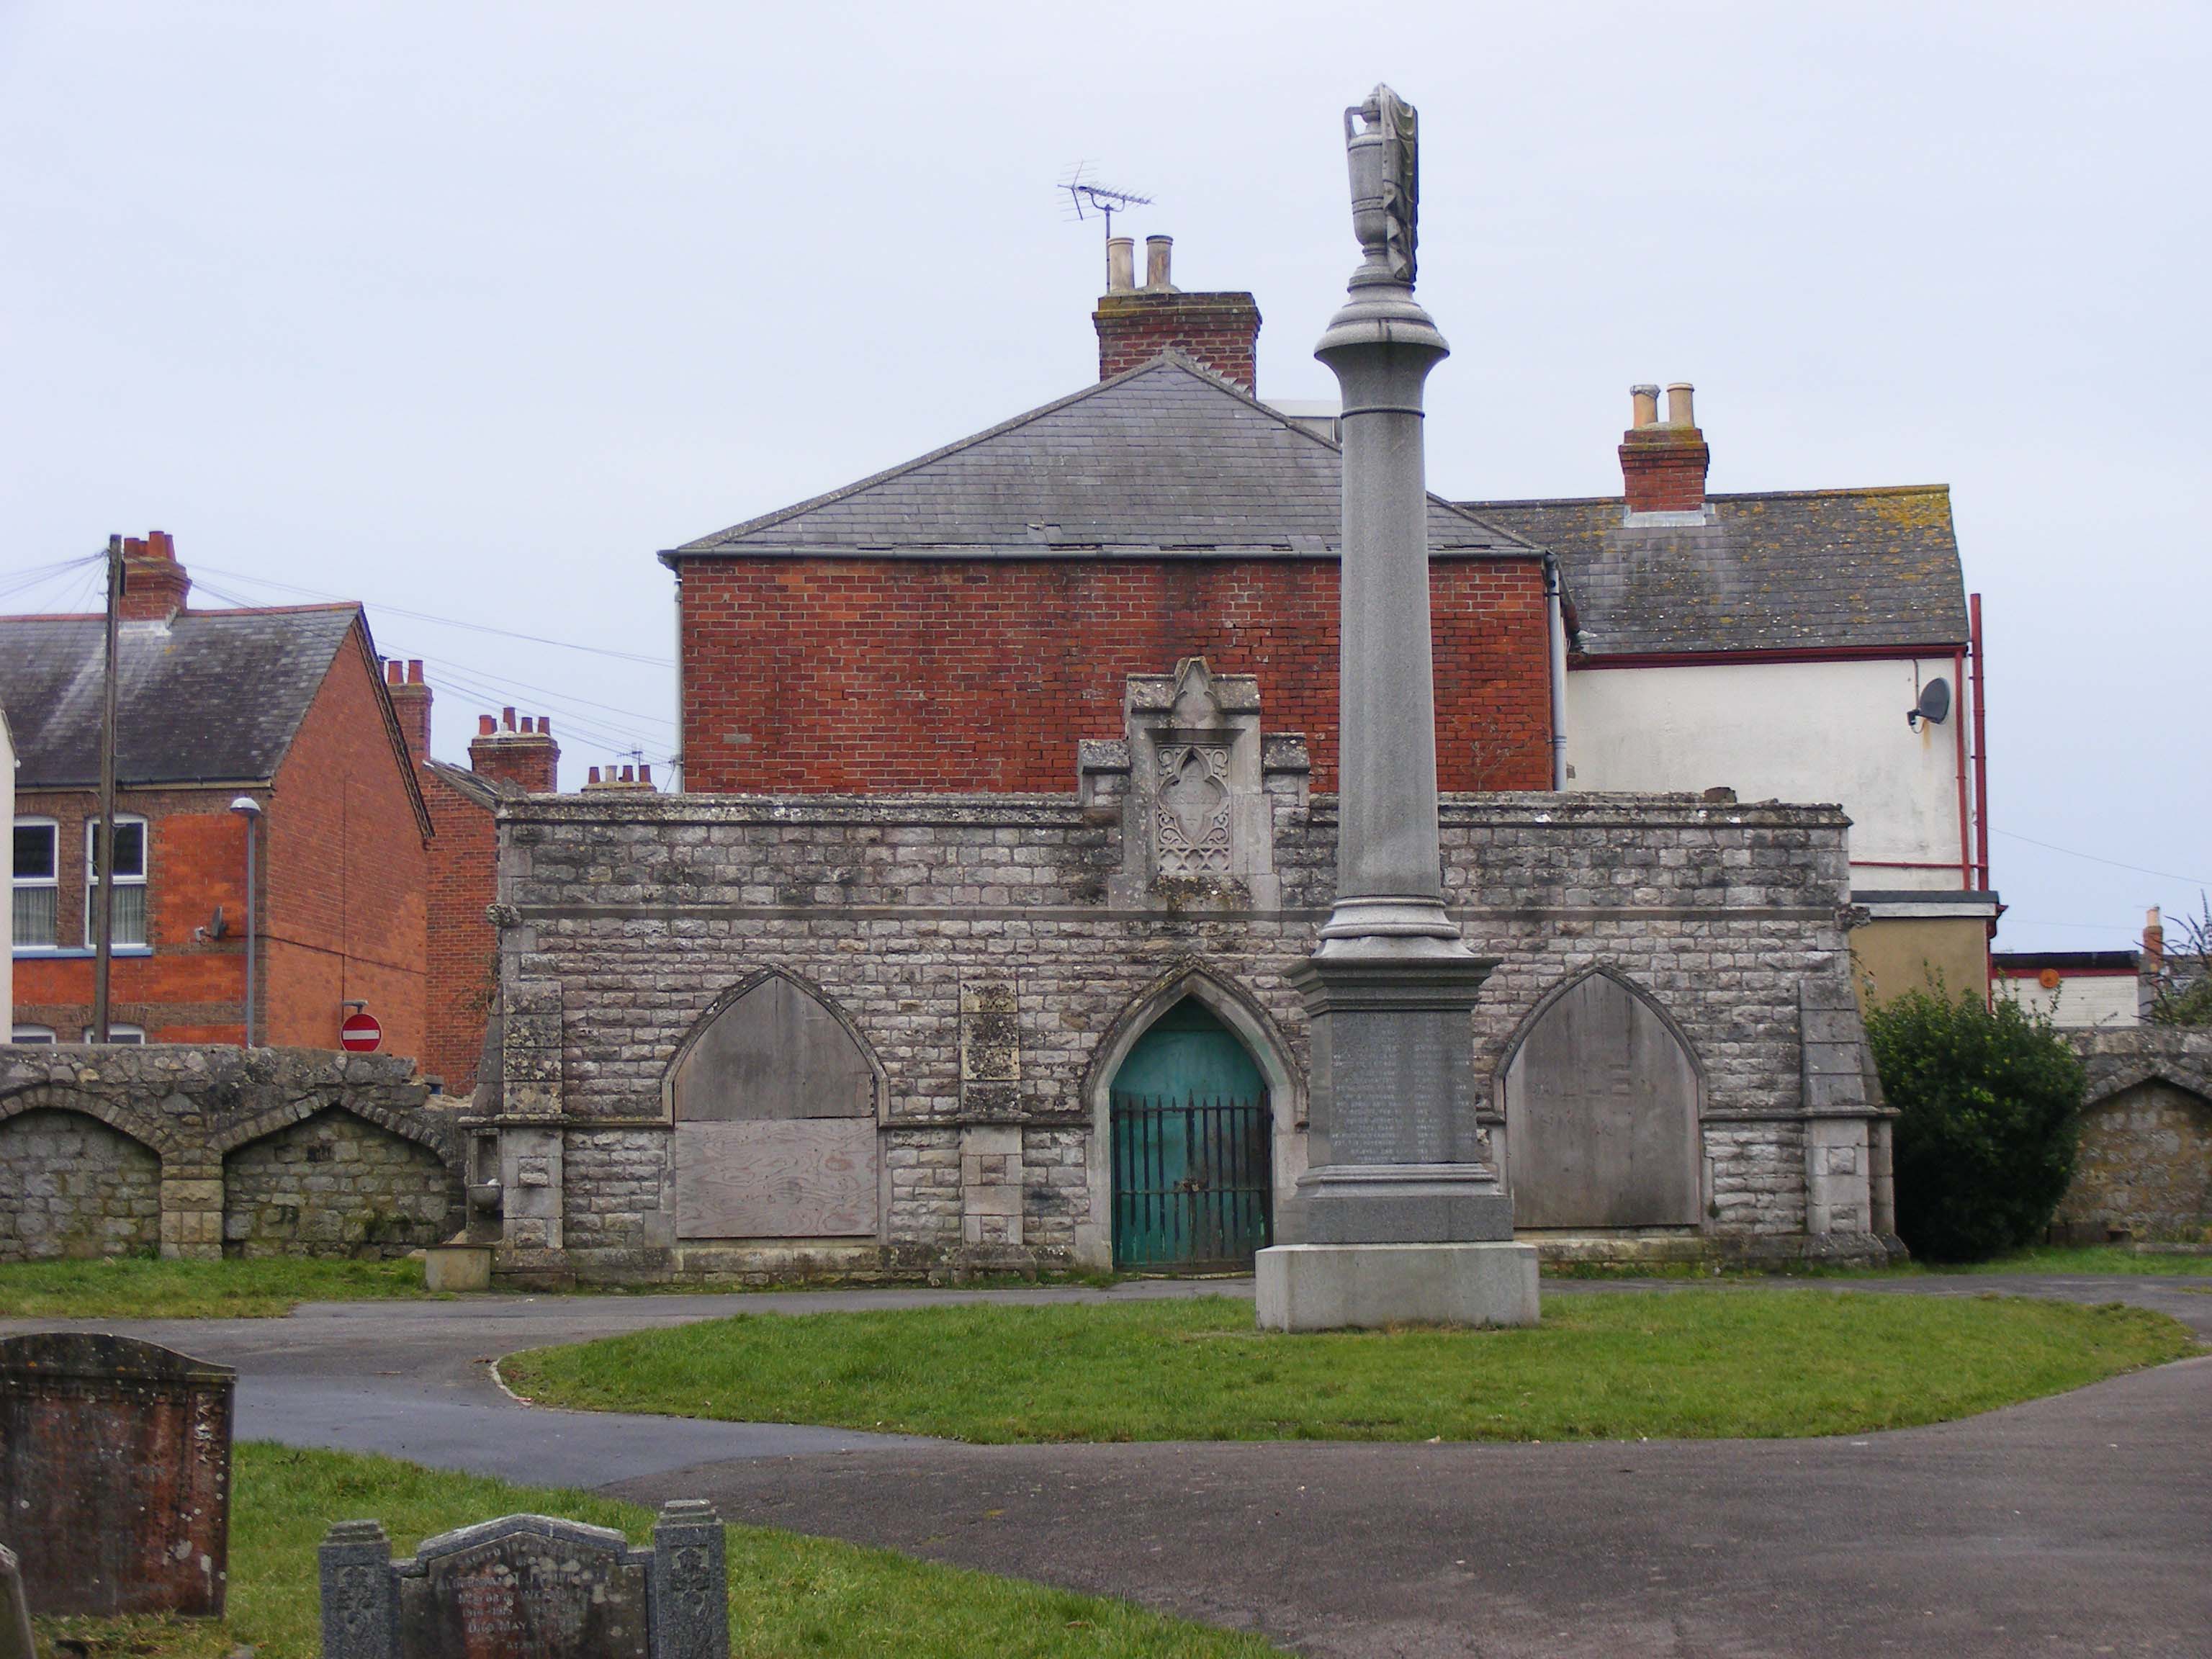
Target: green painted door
x,y
1192,1164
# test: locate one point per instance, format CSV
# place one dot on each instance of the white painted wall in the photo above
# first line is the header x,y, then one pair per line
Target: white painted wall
x,y
2081,1001
1807,733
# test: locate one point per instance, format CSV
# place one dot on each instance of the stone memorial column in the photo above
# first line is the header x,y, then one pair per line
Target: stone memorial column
x,y
1400,1217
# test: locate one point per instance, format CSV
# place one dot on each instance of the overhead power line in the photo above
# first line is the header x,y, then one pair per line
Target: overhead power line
x,y
494,690
442,621
2071,853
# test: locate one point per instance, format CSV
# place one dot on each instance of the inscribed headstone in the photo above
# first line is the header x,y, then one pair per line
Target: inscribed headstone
x,y
15,1638
529,1587
115,1474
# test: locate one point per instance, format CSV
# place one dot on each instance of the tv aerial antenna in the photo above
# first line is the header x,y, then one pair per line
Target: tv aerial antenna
x,y
1087,196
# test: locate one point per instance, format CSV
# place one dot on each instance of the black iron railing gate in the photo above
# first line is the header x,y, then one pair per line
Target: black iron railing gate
x,y
1193,1182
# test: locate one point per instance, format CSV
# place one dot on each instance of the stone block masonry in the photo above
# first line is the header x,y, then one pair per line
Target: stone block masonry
x,y
199,1152
994,962
2144,1165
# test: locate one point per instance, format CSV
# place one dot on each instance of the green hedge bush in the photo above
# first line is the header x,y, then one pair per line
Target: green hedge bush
x,y
1989,1098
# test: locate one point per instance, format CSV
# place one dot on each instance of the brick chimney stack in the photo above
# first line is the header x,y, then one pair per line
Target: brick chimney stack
x,y
155,585
1135,324
410,701
522,754
1663,463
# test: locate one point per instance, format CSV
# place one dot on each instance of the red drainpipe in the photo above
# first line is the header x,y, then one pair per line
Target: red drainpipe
x,y
1981,745
1965,823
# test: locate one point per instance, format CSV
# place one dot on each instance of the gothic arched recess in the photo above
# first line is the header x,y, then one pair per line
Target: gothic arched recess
x,y
773,1102
1602,1112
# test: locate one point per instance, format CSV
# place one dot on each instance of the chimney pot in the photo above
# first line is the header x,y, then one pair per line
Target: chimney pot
x,y
1120,264
628,774
155,586
645,773
594,776
1219,331
415,670
392,672
544,726
1159,256
486,726
1663,465
507,719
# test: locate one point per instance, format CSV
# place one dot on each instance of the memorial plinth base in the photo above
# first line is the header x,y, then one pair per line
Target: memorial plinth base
x,y
1333,1287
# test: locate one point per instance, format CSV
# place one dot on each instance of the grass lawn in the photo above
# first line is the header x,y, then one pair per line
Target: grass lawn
x,y
1707,1362
788,1594
2082,1259
140,1287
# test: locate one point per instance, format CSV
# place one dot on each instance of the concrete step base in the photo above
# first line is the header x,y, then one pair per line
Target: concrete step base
x,y
1333,1287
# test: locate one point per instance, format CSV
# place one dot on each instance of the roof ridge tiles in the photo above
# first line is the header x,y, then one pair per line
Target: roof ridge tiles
x,y
1471,503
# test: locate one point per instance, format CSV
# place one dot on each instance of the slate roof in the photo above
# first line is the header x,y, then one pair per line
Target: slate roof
x,y
474,786
209,697
1165,459
1780,570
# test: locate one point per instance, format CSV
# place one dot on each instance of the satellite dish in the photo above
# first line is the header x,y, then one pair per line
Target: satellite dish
x,y
1933,707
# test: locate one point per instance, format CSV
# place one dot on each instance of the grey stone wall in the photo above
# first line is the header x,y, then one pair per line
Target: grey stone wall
x,y
336,1184
120,1150
2145,1163
70,1185
625,918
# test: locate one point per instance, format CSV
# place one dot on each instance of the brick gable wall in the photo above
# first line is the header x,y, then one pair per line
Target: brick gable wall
x,y
348,871
463,957
813,675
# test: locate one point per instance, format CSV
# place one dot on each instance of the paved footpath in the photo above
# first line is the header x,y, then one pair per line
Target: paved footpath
x,y
2081,1524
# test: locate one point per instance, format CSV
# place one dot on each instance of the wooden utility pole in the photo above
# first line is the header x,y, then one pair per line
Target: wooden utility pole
x,y
103,893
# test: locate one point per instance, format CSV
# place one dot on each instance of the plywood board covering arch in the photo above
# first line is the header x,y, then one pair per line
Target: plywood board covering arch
x,y
773,1100
1602,1111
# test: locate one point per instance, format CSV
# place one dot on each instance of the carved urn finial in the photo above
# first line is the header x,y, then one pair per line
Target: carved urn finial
x,y
1381,141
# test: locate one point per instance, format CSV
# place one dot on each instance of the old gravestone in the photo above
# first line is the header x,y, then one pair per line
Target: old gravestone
x,y
530,1587
115,1474
16,1640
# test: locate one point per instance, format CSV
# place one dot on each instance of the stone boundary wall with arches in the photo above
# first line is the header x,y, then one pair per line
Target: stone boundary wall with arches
x,y
200,1151
993,959
2143,1168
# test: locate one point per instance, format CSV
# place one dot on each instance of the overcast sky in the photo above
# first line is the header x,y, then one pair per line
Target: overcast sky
x,y
468,310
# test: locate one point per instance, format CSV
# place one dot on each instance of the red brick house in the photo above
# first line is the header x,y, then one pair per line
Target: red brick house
x,y
507,758
959,622
285,706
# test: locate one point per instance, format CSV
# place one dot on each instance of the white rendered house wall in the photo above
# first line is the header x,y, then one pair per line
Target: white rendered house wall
x,y
1803,731
2080,1002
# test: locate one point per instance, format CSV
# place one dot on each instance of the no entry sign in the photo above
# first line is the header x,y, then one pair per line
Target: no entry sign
x,y
361,1034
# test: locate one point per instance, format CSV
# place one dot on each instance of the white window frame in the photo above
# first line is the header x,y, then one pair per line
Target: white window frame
x,y
122,821
38,820
37,1033
117,1032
